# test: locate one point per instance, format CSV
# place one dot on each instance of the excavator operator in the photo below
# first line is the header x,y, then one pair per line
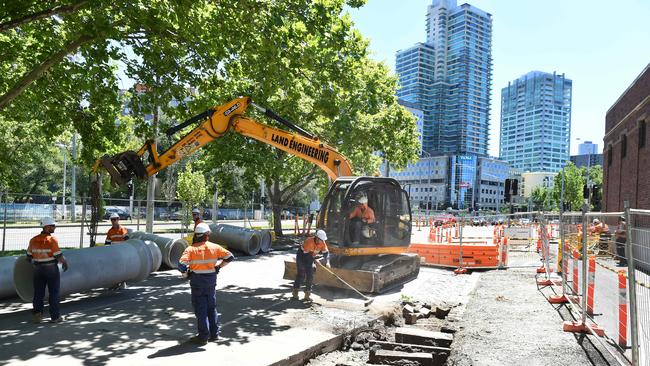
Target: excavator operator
x,y
362,218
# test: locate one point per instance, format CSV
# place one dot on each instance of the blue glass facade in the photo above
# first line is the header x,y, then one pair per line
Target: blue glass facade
x,y
536,122
449,77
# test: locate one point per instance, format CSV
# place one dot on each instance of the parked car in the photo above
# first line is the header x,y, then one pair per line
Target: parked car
x,y
207,215
111,210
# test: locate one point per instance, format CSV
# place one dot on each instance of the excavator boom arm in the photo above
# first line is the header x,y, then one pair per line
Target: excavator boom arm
x,y
216,123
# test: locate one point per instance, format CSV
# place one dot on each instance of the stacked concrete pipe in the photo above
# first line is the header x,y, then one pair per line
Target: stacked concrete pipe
x,y
243,240
97,267
171,249
7,277
265,241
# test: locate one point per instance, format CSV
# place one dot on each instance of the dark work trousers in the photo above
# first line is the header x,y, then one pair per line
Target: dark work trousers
x,y
47,275
305,270
204,301
620,251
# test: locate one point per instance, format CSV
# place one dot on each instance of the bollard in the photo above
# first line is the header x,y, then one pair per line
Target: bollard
x,y
622,309
590,289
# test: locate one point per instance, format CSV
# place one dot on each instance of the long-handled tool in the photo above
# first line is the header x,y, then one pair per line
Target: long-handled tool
x,y
368,301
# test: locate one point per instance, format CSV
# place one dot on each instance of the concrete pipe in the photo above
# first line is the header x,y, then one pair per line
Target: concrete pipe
x,y
238,238
265,241
7,277
96,267
171,249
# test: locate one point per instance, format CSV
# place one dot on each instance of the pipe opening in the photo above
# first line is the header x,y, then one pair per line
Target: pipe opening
x,y
254,244
175,252
24,280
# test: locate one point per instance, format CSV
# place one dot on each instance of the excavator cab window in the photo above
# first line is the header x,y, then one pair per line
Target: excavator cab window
x,y
390,225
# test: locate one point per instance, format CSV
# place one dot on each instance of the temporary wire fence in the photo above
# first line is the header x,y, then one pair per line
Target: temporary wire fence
x,y
605,273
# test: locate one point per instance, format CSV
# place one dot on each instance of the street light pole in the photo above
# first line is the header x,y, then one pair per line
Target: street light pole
x,y
73,185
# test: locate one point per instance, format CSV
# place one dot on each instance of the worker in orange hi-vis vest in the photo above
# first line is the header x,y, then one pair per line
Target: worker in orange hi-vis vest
x,y
305,264
362,218
201,263
117,232
44,253
196,217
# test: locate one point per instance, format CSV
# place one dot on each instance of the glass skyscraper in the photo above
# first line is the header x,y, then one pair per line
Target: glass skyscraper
x,y
536,122
449,78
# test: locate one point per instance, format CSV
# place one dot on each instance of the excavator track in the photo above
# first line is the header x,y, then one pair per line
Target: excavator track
x,y
369,274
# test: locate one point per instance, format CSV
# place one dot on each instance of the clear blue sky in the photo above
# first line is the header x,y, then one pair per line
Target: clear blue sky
x,y
601,45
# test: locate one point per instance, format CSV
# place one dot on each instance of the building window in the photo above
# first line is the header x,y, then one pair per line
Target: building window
x,y
642,134
609,156
623,146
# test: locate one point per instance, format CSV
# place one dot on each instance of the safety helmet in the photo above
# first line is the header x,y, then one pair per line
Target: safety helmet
x,y
114,216
320,234
47,221
196,210
363,200
201,228
596,221
622,217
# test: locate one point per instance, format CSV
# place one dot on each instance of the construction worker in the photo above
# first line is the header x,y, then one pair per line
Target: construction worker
x,y
201,262
305,262
44,253
117,232
196,217
361,218
598,227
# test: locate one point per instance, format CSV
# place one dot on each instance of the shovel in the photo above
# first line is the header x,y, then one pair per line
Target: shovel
x,y
368,301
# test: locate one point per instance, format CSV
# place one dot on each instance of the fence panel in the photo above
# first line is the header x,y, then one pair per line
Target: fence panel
x,y
638,247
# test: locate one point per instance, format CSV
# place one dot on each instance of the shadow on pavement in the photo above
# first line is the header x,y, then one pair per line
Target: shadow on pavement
x,y
103,325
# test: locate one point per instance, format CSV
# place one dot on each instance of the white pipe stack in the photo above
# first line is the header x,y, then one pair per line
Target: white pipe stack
x,y
7,277
171,249
102,266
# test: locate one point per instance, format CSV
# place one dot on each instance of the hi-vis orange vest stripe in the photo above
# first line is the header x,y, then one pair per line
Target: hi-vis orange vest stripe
x,y
201,258
43,248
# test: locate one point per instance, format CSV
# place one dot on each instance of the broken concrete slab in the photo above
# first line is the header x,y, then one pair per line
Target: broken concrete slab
x,y
424,313
408,309
410,318
440,354
423,337
442,312
386,357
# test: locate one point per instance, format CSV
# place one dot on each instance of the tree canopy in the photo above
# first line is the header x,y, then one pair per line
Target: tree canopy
x,y
65,63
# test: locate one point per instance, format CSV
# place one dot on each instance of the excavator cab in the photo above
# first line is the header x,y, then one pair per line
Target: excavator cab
x,y
390,231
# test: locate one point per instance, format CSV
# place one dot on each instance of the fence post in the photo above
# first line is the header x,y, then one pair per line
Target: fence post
x,y
137,223
585,227
4,224
631,278
83,220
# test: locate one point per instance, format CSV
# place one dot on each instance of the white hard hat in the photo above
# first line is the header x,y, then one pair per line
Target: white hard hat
x,y
196,210
201,228
114,216
596,221
47,221
320,234
363,200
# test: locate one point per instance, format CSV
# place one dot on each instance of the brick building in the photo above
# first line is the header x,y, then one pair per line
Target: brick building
x,y
626,171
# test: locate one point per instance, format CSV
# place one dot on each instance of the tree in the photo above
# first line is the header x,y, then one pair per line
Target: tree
x,y
540,197
574,182
191,190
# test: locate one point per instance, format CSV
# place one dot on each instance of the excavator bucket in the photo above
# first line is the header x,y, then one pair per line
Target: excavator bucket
x,y
374,274
123,167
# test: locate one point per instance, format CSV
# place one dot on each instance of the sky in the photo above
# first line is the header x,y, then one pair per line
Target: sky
x,y
602,46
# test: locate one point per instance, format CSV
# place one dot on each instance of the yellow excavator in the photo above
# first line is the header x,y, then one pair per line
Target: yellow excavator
x,y
374,262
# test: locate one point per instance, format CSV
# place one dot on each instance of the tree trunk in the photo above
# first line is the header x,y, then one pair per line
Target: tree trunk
x,y
275,198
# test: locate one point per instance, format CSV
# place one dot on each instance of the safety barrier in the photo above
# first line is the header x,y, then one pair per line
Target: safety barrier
x,y
604,267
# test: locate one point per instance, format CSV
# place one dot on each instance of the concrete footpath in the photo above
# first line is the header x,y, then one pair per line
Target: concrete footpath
x,y
508,321
150,322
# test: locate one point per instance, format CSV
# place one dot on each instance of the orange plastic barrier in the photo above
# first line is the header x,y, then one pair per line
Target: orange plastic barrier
x,y
622,309
448,255
590,285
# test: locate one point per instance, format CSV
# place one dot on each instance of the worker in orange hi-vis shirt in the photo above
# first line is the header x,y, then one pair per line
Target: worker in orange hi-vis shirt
x,y
117,232
196,217
44,253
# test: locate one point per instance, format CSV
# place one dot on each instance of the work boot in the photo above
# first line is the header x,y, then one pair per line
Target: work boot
x,y
37,318
57,320
307,296
198,340
294,294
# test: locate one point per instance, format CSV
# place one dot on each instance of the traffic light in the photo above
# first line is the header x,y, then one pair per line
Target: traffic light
x,y
515,187
506,191
129,187
595,196
585,192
